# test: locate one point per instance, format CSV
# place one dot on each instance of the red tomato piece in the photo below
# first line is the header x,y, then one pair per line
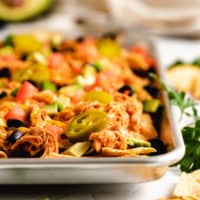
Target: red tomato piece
x,y
151,61
140,50
16,113
144,52
100,78
8,58
26,91
77,97
87,49
55,60
76,68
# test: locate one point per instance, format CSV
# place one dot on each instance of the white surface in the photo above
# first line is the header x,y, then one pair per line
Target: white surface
x,y
157,189
170,50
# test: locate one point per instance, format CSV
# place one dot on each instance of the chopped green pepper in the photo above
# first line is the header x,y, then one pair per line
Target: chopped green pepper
x,y
108,48
102,97
26,43
46,85
51,109
85,123
62,102
98,66
151,105
133,142
78,149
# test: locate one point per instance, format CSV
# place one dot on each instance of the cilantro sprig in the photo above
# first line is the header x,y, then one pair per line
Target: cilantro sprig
x,y
191,132
179,99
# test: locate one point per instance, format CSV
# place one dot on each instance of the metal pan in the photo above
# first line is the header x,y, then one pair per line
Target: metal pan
x,y
101,170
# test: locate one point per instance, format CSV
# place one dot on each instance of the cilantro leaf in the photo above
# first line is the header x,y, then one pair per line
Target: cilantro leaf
x,y
191,132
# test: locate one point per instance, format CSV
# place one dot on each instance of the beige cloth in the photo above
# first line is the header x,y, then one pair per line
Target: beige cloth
x,y
177,17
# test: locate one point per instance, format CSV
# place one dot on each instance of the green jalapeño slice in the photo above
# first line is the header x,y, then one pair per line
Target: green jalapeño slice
x,y
86,123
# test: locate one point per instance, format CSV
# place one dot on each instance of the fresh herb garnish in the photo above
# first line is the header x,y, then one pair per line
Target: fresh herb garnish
x,y
177,63
179,99
196,62
191,132
191,135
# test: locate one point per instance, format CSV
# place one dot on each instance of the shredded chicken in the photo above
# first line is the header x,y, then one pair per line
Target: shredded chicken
x,y
108,138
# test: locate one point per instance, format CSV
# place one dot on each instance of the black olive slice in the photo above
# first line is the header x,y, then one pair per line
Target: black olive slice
x,y
126,89
5,72
3,94
158,145
16,135
14,123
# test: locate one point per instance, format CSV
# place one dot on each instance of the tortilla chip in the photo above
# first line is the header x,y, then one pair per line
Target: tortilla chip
x,y
188,187
57,155
189,79
107,151
196,175
3,155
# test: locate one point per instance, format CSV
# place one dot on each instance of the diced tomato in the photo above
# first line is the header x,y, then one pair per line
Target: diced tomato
x,y
151,61
140,50
8,58
16,113
100,78
26,91
77,97
104,76
92,87
55,60
144,52
87,49
76,68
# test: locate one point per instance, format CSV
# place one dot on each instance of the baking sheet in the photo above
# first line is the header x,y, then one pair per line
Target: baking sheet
x,y
100,170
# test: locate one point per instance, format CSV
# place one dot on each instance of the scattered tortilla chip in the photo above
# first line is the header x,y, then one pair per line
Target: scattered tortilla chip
x,y
196,175
187,188
190,81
